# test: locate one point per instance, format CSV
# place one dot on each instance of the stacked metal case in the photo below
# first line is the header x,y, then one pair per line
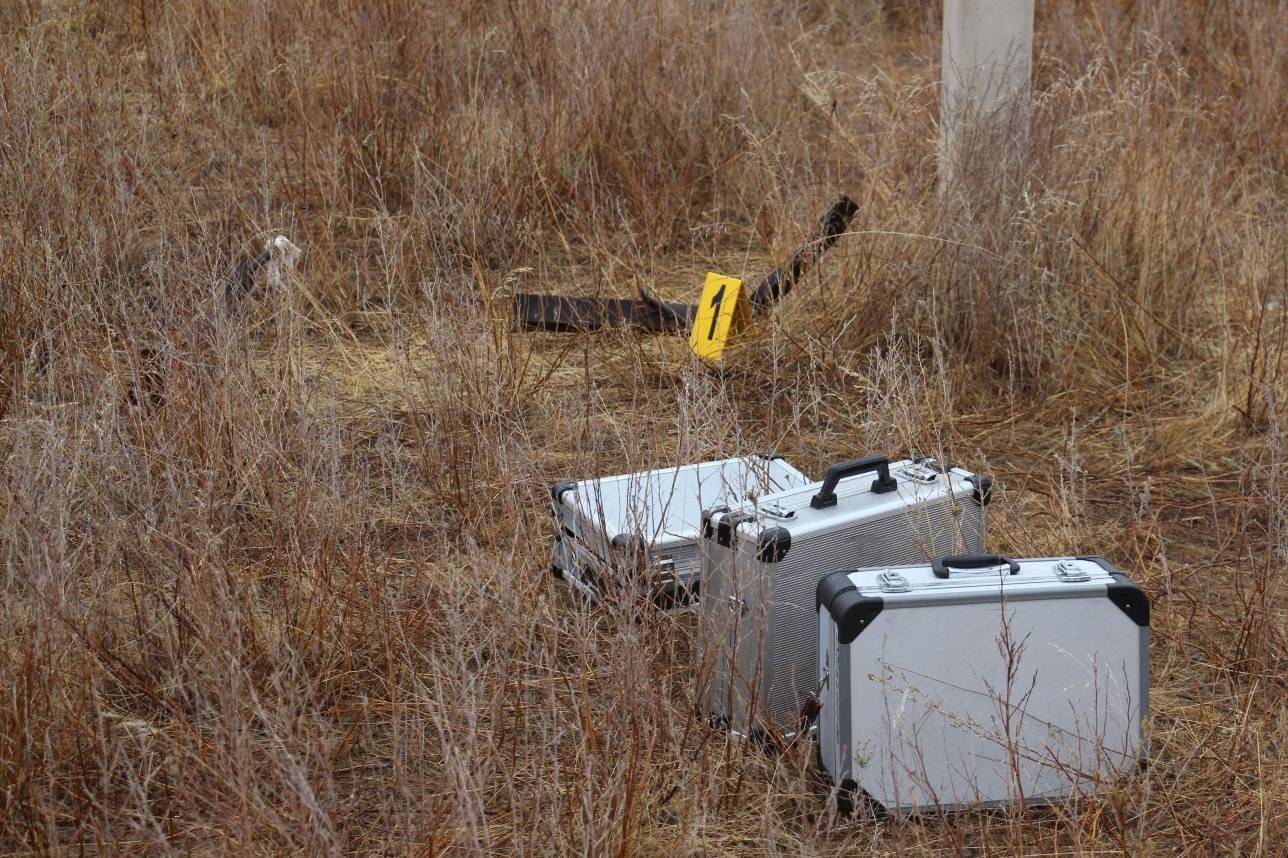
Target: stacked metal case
x,y
757,649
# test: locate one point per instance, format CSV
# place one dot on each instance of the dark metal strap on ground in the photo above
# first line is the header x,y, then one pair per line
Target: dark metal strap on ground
x,y
563,314
779,282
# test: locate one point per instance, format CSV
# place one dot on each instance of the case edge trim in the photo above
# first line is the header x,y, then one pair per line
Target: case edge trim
x,y
1123,592
982,491
850,610
558,489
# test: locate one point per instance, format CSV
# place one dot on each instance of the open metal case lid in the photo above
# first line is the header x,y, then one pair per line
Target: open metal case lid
x,y
665,505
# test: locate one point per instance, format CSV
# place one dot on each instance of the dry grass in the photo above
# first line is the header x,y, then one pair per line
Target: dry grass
x,y
274,581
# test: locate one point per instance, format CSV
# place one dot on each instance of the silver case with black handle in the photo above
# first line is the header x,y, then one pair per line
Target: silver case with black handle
x,y
638,533
980,681
757,638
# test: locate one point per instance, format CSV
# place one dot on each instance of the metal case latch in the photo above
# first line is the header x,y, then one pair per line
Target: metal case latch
x,y
666,567
773,510
893,582
921,472
1071,572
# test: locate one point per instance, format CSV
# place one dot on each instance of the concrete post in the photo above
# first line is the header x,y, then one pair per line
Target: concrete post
x,y
985,106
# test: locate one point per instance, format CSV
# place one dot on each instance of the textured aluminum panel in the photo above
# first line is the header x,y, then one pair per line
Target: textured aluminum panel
x,y
687,564
715,627
584,569
789,661
771,663
664,506
985,688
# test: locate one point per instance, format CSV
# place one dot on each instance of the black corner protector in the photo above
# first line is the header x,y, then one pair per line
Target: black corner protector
x,y
853,613
558,489
719,723
556,571
774,544
830,586
1101,561
726,527
676,595
850,798
764,741
630,542
708,530
1130,599
845,794
983,493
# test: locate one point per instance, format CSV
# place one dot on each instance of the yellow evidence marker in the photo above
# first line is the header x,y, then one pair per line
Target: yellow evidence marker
x,y
722,315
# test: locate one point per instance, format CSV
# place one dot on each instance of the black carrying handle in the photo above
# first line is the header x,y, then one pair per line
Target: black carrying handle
x,y
883,483
941,565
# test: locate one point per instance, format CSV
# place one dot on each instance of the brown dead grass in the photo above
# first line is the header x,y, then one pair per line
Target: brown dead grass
x,y
274,581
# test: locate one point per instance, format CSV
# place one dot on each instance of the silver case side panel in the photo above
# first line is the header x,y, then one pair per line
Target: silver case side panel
x,y
984,690
779,658
829,720
715,628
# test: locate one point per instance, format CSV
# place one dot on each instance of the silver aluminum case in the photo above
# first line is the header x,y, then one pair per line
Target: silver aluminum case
x,y
659,512
917,710
757,649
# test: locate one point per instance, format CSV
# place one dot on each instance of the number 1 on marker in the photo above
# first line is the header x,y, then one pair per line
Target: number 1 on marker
x,y
722,314
716,300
